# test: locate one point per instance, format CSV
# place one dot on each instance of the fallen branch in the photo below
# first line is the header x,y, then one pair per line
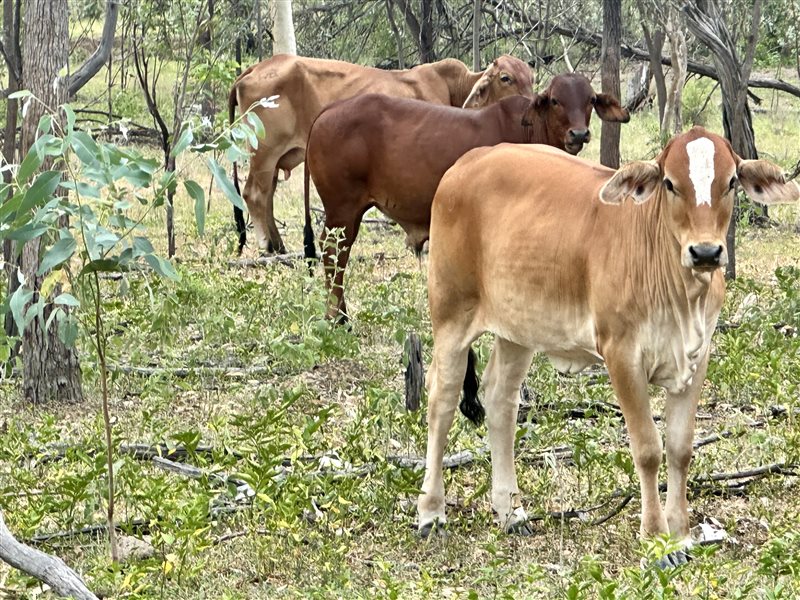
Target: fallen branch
x,y
187,371
44,567
278,259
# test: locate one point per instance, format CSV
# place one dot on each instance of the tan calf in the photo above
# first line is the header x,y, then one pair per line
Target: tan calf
x,y
549,253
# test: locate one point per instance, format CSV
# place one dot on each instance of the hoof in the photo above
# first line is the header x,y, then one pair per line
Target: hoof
x,y
672,560
433,529
522,529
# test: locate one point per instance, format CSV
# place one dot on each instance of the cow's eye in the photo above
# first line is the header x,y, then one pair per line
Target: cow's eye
x,y
553,101
505,78
594,100
732,184
668,185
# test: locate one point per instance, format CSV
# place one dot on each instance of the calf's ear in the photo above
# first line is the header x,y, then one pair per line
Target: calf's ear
x,y
608,108
538,105
765,183
637,179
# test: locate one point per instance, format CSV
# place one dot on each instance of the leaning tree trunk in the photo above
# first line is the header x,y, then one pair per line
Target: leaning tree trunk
x,y
283,28
655,42
50,369
708,26
612,33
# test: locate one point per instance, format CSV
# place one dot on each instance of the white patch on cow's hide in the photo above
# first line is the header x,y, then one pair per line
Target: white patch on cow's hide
x,y
701,168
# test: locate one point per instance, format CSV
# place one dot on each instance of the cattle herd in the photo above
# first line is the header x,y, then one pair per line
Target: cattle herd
x,y
548,252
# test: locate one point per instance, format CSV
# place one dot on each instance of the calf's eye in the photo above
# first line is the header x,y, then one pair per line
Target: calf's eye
x,y
668,185
505,78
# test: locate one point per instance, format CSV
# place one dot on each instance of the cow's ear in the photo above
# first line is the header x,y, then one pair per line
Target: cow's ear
x,y
608,108
538,105
480,91
637,179
765,182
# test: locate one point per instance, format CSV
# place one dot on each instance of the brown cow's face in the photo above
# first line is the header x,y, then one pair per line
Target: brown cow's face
x,y
506,76
566,106
698,173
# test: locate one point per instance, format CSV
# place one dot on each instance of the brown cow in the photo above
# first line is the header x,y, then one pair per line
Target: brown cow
x,y
540,249
391,153
306,85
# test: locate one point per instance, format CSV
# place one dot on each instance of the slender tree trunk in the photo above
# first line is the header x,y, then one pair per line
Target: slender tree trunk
x,y
398,37
50,369
476,35
14,67
283,28
672,121
612,34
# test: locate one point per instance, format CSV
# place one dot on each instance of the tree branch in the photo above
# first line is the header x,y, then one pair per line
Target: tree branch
x,y
100,56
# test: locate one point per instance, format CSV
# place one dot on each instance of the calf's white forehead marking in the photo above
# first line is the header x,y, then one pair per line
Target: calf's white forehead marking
x,y
701,168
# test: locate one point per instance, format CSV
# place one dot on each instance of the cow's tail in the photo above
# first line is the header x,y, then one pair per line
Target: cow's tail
x,y
470,406
238,214
309,246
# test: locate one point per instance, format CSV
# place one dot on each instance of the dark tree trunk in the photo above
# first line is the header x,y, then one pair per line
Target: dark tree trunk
x,y
50,369
421,28
612,35
14,67
706,22
204,41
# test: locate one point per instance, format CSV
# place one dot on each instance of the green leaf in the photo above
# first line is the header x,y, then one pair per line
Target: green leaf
x,y
28,232
101,265
186,138
30,164
59,252
66,300
162,267
19,299
225,184
142,246
85,147
70,117
45,123
20,94
41,191
258,125
196,192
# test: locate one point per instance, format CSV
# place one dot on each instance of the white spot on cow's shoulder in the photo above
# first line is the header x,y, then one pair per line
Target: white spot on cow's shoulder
x,y
701,168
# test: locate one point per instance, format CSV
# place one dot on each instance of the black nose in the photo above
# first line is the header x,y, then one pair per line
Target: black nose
x,y
706,255
579,136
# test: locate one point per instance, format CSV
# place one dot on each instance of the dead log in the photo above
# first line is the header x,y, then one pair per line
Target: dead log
x,y
46,568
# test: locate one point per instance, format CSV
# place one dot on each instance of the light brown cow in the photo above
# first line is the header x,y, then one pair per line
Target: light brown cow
x,y
306,85
395,151
541,249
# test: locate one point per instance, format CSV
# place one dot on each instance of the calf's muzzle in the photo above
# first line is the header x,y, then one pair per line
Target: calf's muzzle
x,y
707,255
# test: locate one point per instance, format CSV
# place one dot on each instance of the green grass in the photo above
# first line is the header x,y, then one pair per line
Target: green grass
x,y
331,390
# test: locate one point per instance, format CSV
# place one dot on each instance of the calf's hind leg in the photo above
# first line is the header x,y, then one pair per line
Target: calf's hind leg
x,y
506,370
445,381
